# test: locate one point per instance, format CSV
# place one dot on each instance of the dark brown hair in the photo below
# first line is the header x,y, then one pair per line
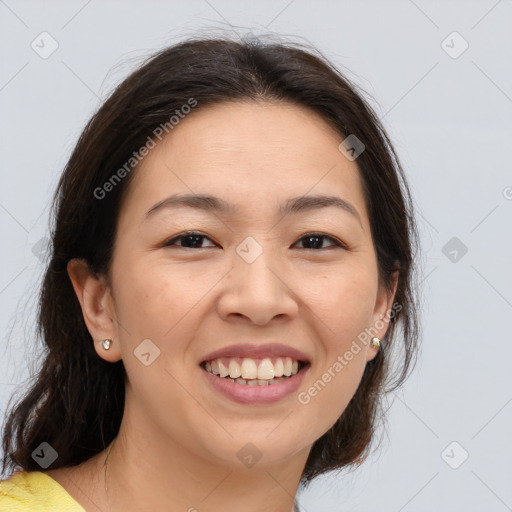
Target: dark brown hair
x,y
76,401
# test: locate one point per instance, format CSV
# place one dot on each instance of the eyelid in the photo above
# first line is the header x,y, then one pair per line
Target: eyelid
x,y
319,234
169,241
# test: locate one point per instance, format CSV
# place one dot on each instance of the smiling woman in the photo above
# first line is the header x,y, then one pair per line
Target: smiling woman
x,y
222,324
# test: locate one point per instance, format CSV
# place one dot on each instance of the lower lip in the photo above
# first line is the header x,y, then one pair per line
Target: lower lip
x,y
244,394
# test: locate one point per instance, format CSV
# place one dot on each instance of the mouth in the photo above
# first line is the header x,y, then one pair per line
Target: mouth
x,y
255,374
248,371
249,388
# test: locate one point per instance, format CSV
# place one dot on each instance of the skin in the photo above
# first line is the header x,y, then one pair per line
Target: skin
x,y
191,301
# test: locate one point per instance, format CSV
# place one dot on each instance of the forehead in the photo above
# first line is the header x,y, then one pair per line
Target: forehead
x,y
252,154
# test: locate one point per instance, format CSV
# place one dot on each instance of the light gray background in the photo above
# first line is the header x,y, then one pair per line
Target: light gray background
x,y
450,119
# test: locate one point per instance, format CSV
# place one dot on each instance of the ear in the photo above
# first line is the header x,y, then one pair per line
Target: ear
x,y
382,313
98,309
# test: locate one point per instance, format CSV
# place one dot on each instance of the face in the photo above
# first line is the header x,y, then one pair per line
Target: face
x,y
252,273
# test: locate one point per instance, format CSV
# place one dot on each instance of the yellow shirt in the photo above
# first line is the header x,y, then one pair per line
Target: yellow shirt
x,y
34,491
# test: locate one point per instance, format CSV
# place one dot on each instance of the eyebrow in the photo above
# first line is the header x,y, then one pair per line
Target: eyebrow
x,y
214,204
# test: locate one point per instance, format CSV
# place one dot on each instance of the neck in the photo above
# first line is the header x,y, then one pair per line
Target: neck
x,y
143,474
191,485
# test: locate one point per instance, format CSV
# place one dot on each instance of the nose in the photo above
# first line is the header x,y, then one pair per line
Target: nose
x,y
257,291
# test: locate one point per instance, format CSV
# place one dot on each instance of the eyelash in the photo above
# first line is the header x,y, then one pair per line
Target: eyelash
x,y
170,242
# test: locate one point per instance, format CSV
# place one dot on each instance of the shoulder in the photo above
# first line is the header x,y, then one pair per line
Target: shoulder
x,y
27,491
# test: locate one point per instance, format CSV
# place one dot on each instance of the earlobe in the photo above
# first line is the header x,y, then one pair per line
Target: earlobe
x,y
95,300
382,314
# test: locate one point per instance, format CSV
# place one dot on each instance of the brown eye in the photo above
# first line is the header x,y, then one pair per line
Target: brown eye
x,y
189,240
316,241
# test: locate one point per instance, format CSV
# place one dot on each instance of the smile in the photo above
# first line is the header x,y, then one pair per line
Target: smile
x,y
247,380
254,372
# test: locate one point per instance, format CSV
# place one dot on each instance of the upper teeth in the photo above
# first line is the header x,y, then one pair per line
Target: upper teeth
x,y
248,368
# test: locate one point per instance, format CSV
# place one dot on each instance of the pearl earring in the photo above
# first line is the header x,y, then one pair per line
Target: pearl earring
x,y
106,343
376,343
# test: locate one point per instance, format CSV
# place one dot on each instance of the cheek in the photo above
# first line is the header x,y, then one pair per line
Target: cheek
x,y
160,303
153,305
343,303
344,300
153,299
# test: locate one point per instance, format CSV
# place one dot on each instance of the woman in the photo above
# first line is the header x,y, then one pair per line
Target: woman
x,y
232,256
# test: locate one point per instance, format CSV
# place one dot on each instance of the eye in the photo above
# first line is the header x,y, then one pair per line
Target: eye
x,y
189,239
194,240
316,240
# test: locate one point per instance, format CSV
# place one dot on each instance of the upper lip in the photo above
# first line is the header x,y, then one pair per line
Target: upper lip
x,y
256,352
